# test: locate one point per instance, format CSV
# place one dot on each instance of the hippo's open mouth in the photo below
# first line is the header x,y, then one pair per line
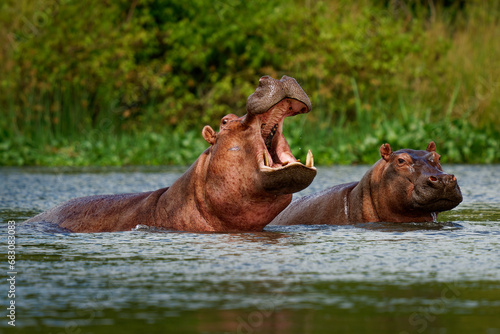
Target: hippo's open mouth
x,y
269,105
280,170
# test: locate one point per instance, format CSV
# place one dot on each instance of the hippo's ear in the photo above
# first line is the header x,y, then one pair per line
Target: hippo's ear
x,y
385,151
209,134
431,147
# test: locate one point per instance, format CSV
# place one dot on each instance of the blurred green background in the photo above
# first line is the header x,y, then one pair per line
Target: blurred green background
x,y
133,82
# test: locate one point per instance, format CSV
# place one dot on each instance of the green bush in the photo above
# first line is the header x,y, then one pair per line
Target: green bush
x,y
98,82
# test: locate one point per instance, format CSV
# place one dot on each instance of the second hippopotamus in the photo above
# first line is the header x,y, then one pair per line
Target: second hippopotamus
x,y
404,186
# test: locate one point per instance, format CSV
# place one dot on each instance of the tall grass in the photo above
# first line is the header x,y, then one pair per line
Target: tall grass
x,y
459,60
60,132
332,138
341,142
130,95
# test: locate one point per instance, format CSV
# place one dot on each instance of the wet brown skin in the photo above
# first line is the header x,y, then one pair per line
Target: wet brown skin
x,y
240,183
403,186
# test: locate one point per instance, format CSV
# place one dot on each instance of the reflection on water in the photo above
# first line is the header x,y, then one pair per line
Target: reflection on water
x,y
381,277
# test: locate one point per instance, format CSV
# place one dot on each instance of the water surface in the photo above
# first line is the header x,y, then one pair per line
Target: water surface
x,y
386,278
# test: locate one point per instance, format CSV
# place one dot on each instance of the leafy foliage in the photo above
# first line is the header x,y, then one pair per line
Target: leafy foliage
x,y
98,82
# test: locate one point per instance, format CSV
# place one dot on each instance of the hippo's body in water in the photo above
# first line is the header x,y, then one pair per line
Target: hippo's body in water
x,y
240,183
403,186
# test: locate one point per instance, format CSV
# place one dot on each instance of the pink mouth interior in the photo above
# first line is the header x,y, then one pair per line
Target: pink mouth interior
x,y
272,130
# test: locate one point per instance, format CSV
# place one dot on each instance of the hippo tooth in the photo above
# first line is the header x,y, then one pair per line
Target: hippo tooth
x,y
309,159
266,160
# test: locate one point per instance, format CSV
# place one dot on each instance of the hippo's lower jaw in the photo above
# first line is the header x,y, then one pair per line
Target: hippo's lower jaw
x,y
440,204
444,201
288,179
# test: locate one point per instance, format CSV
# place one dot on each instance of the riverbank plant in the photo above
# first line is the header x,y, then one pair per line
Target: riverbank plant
x,y
128,82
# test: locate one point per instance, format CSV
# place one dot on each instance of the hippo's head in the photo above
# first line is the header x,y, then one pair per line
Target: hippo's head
x,y
414,183
251,172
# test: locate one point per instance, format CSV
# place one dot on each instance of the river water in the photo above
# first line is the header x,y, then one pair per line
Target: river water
x,y
442,277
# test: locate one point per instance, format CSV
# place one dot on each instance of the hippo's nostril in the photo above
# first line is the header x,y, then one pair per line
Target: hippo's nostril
x,y
450,179
433,178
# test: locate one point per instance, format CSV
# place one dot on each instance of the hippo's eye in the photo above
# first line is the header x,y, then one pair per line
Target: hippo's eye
x,y
401,161
224,121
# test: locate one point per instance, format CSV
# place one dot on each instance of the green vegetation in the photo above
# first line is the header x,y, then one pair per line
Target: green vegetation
x,y
134,82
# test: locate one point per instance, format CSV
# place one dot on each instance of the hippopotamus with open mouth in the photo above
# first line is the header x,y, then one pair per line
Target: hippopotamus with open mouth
x,y
240,183
403,186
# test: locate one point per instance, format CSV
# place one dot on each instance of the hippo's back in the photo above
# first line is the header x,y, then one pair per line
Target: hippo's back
x,y
103,213
325,207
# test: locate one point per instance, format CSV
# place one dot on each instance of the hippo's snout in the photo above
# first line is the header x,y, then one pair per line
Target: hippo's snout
x,y
442,180
441,193
271,91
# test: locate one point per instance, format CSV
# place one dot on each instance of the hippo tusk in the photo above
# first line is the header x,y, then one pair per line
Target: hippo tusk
x,y
309,159
266,160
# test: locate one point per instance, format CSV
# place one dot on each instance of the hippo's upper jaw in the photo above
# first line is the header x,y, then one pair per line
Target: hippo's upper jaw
x,y
280,171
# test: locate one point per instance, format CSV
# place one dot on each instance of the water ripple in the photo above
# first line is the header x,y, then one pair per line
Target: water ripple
x,y
294,266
